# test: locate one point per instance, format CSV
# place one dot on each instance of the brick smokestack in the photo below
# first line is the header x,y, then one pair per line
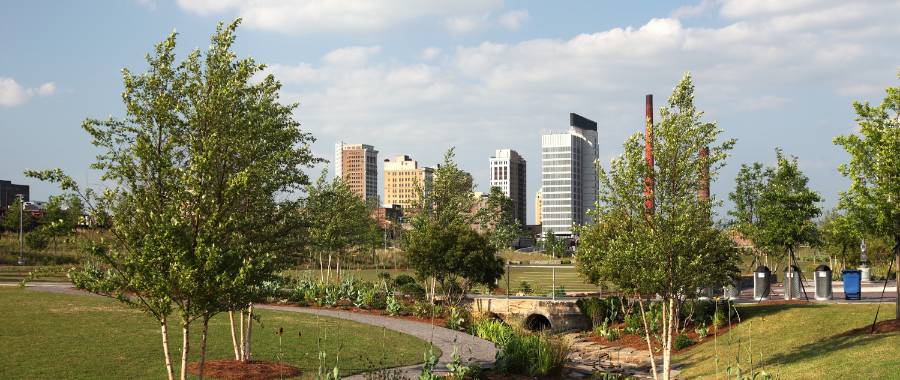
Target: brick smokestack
x,y
649,202
703,192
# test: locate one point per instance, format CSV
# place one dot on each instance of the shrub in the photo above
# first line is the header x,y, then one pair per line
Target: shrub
x,y
492,330
595,309
634,324
525,287
682,341
610,333
719,319
702,331
393,306
403,279
532,354
458,319
412,290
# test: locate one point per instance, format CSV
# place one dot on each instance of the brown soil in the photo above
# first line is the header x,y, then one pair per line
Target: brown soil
x,y
235,370
638,342
891,325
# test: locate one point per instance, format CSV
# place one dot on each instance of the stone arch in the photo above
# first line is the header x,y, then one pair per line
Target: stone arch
x,y
537,322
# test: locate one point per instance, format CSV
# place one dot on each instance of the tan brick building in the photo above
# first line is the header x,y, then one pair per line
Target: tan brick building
x,y
403,178
357,164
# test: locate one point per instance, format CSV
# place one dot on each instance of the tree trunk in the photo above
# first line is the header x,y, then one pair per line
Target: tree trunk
x,y
328,275
247,341
164,329
241,351
896,274
321,268
203,347
667,350
647,337
185,347
789,278
234,342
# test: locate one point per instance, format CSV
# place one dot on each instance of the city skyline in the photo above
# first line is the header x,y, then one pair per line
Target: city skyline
x,y
474,75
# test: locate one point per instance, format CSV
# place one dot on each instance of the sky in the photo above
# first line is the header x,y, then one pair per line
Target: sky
x,y
417,77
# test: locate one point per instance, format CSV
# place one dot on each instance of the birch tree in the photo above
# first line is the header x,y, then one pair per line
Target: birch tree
x,y
874,169
198,168
673,248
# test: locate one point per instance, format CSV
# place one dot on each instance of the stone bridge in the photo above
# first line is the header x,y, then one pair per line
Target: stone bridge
x,y
533,313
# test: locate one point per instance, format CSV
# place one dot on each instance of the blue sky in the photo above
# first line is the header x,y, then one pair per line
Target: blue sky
x,y
416,77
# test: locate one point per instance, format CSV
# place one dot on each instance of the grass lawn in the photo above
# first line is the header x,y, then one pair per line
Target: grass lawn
x,y
56,336
798,342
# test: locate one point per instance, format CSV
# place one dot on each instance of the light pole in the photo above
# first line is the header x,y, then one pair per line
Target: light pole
x,y
21,237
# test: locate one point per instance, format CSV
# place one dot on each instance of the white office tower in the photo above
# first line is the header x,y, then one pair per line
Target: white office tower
x,y
568,176
508,173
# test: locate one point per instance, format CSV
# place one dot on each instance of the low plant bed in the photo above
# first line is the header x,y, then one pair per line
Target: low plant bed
x,y
639,342
237,370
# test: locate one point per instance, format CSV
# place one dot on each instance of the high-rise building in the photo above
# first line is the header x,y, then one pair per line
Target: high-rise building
x,y
403,180
508,173
9,191
568,176
537,207
357,164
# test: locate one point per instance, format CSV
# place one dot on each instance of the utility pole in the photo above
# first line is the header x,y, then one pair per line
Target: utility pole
x,y
21,237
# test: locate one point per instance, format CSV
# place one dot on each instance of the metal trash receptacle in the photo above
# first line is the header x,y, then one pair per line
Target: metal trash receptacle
x,y
794,279
762,283
823,282
852,285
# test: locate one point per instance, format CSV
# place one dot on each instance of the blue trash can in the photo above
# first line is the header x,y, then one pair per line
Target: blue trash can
x,y
852,286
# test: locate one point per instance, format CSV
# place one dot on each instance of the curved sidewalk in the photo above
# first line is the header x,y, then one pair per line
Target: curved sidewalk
x,y
470,348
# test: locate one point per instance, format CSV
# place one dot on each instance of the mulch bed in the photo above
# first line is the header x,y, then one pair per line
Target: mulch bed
x,y
891,325
638,342
253,370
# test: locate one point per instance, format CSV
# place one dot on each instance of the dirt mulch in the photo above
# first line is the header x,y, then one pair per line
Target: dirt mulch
x,y
638,342
235,370
891,325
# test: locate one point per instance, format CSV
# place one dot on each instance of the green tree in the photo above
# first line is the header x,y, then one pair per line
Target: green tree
x,y
841,236
11,219
786,211
674,248
749,185
339,222
553,244
498,219
198,168
440,244
874,169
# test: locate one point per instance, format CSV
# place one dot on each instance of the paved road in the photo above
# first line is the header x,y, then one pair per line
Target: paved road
x,y
471,349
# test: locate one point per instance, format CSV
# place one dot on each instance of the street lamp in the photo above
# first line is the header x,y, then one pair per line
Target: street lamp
x,y
21,237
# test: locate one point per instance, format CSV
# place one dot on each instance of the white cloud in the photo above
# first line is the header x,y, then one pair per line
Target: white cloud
x,y
307,16
13,94
466,24
430,53
748,71
351,56
762,103
149,4
695,10
513,20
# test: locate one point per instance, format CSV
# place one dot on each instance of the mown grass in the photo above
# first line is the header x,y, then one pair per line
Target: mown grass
x,y
800,342
59,336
